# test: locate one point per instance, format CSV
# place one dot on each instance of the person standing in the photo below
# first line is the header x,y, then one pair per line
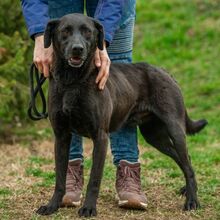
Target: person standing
x,y
117,18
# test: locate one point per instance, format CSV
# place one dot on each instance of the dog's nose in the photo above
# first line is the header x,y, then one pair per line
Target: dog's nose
x,y
78,49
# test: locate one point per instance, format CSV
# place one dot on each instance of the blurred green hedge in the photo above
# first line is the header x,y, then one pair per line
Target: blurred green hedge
x,y
15,59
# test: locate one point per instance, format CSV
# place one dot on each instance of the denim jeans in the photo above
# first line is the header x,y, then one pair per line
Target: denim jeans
x,y
124,141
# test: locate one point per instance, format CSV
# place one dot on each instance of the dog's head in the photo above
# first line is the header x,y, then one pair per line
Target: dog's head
x,y
74,37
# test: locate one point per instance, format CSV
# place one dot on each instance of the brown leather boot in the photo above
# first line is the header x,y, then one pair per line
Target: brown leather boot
x,y
74,184
128,186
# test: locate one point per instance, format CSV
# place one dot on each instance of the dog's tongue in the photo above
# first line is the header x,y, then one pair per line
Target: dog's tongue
x,y
75,60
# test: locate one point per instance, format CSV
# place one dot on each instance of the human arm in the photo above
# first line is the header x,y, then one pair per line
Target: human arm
x,y
36,17
109,14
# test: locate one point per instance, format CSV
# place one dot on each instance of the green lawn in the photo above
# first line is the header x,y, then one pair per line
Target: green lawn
x,y
183,37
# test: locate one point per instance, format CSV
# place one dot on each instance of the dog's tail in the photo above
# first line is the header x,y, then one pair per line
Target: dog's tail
x,y
193,127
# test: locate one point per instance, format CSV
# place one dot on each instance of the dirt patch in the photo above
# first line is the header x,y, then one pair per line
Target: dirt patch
x,y
23,196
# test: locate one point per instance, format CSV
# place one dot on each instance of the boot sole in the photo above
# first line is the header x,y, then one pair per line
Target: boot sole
x,y
71,204
128,204
131,204
67,203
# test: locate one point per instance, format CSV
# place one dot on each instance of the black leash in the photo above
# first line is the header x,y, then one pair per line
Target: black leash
x,y
33,112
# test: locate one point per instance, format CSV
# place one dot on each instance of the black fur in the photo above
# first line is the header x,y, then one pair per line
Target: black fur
x,y
135,94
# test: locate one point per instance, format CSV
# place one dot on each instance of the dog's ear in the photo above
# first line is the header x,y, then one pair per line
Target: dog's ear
x,y
49,31
100,29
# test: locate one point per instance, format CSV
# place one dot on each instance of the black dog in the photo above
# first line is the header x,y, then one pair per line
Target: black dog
x,y
135,94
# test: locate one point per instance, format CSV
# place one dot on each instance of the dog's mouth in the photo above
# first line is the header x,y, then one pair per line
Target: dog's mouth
x,y
75,61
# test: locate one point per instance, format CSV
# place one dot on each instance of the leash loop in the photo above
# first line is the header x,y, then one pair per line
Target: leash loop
x,y
33,111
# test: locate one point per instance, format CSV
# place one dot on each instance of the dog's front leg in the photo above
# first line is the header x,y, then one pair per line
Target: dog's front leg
x,y
99,153
62,144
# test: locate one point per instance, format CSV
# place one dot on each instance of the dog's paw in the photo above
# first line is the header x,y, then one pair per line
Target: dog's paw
x,y
87,211
182,191
191,204
47,210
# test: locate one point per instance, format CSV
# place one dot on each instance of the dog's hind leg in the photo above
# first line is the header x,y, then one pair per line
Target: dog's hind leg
x,y
98,159
156,134
177,135
62,143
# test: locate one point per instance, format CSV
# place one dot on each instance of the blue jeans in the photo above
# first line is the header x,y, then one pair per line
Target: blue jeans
x,y
124,141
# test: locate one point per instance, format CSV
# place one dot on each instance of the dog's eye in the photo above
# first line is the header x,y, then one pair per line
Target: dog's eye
x,y
64,34
86,32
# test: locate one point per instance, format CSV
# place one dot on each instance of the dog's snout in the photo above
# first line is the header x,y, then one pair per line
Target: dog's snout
x,y
77,49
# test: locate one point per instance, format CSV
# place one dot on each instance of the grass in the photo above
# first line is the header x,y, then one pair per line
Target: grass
x,y
183,37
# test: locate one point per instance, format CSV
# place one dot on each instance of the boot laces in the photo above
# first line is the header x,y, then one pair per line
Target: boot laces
x,y
74,178
129,179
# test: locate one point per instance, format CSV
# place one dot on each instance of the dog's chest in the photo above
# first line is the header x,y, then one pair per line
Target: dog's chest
x,y
78,112
70,102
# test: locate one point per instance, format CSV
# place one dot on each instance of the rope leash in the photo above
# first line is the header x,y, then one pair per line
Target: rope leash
x,y
33,111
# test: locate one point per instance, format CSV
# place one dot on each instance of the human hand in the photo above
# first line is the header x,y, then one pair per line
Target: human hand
x,y
103,62
42,56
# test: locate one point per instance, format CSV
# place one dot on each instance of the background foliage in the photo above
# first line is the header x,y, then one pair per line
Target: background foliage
x,y
15,57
